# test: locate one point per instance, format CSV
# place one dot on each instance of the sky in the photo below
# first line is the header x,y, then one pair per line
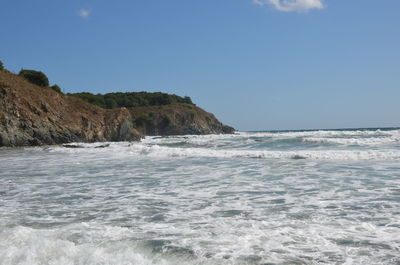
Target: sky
x,y
255,64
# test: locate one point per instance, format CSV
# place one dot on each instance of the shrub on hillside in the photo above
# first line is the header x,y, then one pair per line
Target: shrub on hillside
x,y
166,121
1,65
56,88
187,100
131,99
142,120
110,103
35,77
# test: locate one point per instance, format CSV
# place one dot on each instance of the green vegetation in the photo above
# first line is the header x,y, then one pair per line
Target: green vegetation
x,y
144,121
152,122
166,121
147,123
1,66
56,88
35,77
131,99
110,100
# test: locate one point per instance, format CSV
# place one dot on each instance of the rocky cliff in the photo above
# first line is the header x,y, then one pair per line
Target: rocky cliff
x,y
34,115
176,119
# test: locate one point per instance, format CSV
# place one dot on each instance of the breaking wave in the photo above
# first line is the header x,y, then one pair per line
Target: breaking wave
x,y
251,198
317,145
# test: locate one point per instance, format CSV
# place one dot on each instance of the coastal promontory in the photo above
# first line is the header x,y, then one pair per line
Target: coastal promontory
x,y
32,113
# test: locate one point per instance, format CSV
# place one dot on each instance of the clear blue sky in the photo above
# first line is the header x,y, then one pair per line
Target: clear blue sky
x,y
256,64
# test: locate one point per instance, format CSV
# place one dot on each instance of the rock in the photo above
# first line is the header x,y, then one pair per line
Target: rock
x,y
73,146
33,115
102,146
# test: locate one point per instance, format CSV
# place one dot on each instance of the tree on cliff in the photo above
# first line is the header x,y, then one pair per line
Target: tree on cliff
x,y
56,88
35,77
1,65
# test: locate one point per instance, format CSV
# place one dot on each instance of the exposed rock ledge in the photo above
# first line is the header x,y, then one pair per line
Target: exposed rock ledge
x,y
33,115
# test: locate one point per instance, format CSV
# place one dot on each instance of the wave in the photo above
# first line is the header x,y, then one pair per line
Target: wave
x,y
354,141
357,137
279,139
83,244
317,145
159,151
261,242
327,133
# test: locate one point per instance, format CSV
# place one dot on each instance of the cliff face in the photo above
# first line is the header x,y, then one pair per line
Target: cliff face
x,y
177,119
33,115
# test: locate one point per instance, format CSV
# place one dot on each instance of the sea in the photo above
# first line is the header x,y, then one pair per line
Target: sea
x,y
280,197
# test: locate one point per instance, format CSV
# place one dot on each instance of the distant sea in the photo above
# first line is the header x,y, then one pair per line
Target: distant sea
x,y
289,197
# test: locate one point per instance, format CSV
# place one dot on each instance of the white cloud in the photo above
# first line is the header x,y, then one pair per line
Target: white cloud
x,y
292,5
84,13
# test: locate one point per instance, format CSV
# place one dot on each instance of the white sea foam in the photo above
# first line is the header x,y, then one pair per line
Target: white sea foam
x,y
355,141
357,137
159,151
326,133
154,150
221,242
77,244
205,200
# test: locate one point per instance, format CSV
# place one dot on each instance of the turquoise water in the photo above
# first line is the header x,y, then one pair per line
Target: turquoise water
x,y
304,197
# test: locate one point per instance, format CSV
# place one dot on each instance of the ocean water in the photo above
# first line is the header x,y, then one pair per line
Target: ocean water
x,y
303,197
